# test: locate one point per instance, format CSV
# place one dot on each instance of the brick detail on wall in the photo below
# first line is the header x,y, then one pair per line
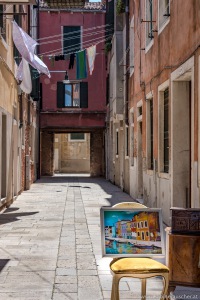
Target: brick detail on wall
x,y
97,153
46,153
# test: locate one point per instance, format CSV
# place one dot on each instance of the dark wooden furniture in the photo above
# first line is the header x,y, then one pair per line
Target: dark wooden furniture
x,y
183,260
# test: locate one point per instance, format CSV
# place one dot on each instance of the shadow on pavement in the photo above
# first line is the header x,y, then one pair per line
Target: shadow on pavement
x,y
7,217
3,263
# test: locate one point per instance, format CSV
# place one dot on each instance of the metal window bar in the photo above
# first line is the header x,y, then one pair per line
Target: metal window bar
x,y
117,143
127,141
151,133
164,12
149,22
166,131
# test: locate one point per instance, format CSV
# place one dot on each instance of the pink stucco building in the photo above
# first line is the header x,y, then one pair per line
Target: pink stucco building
x,y
63,32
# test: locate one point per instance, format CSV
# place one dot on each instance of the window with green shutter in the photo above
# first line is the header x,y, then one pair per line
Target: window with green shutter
x,y
71,39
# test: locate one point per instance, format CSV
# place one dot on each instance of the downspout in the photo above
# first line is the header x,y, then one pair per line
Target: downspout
x,y
39,101
127,63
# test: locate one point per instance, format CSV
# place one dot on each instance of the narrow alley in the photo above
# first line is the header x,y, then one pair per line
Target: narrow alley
x,y
50,246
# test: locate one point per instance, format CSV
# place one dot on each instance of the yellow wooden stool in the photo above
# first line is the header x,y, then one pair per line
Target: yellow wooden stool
x,y
141,268
137,267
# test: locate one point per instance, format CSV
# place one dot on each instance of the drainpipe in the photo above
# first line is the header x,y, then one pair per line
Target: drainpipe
x,y
127,62
38,103
20,111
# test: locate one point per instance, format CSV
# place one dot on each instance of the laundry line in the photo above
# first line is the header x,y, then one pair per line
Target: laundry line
x,y
73,49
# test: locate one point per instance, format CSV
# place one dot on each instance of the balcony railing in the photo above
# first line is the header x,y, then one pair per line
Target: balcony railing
x,y
15,2
65,3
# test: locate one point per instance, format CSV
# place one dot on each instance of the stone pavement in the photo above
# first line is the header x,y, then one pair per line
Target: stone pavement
x,y
50,244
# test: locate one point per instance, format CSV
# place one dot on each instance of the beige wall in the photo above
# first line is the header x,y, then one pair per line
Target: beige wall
x,y
71,156
18,122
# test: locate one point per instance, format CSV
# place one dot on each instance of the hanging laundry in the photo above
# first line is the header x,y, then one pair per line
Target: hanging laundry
x,y
52,59
91,54
59,57
24,75
66,56
71,61
81,65
26,47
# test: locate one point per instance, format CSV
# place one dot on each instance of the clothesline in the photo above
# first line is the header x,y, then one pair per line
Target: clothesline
x,y
67,55
77,31
77,36
75,46
26,47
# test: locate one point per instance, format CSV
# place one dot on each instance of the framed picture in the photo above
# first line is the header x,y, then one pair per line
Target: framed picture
x,y
132,232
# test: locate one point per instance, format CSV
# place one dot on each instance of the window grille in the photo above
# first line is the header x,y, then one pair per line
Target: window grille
x,y
131,52
117,143
127,141
164,12
77,136
149,21
151,133
166,131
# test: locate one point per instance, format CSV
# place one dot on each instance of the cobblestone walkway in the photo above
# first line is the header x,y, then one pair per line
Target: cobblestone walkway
x,y
50,245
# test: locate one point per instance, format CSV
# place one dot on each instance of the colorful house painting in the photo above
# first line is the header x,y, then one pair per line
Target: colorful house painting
x,y
136,232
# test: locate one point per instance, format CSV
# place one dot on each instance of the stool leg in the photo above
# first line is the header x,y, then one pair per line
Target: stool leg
x,y
115,288
143,289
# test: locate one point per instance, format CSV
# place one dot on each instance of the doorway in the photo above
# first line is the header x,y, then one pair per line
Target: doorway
x,y
140,161
181,143
3,156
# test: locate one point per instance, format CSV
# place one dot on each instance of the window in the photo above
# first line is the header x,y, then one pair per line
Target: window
x,y
71,39
3,22
107,90
164,12
149,21
150,134
131,137
117,143
127,141
131,53
139,111
72,94
77,136
166,131
18,20
163,164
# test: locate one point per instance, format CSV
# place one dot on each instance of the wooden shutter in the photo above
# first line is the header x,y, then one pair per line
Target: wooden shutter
x,y
60,94
35,84
71,39
83,94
